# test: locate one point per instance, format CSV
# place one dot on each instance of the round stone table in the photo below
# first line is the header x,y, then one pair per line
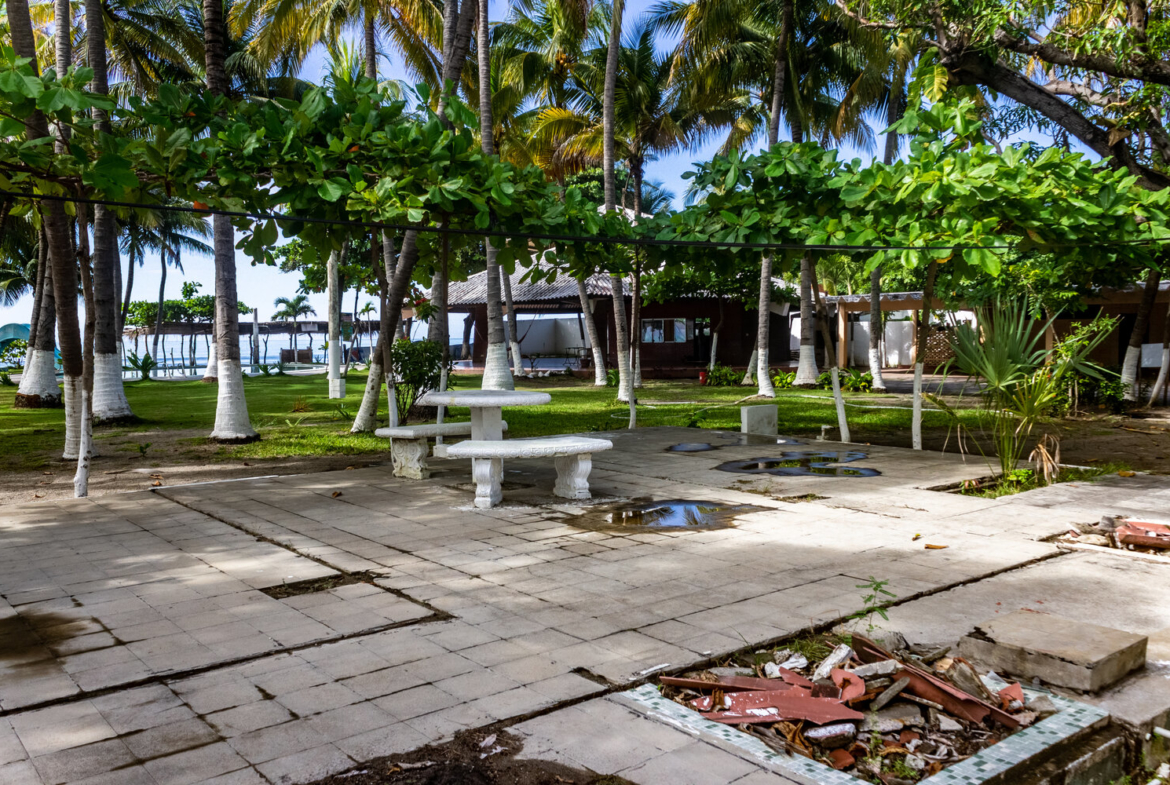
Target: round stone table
x,y
486,407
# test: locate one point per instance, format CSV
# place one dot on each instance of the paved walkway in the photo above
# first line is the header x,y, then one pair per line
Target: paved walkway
x,y
142,643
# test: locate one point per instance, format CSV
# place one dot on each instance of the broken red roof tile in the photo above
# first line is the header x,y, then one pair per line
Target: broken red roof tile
x,y
748,707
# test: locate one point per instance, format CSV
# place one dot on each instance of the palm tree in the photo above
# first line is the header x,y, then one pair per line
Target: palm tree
x,y
288,30
231,411
292,309
802,61
541,46
176,232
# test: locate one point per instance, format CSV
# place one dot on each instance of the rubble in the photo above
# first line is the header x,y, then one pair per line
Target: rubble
x,y
859,708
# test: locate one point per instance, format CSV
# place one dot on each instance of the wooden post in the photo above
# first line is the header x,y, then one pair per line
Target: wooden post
x,y
842,336
914,338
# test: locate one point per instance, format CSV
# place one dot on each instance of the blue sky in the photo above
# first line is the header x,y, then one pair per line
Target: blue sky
x,y
259,286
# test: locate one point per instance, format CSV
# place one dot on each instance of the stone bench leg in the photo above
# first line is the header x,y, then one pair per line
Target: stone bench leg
x,y
573,476
409,458
488,474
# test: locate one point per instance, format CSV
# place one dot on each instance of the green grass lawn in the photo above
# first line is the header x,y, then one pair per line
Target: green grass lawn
x,y
296,418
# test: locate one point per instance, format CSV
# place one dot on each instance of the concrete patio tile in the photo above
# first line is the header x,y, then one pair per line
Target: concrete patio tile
x,y
417,701
377,743
476,684
20,773
214,692
697,763
512,703
197,765
276,741
306,766
133,775
74,763
292,679
318,699
249,717
143,707
350,720
443,724
60,727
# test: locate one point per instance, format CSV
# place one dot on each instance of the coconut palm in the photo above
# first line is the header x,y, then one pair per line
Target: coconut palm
x,y
291,309
287,30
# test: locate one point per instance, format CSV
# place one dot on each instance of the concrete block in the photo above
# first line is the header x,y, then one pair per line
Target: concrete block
x,y
1058,651
337,388
760,420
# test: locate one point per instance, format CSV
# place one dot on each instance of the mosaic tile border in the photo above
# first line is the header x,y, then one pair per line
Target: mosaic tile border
x,y
1072,718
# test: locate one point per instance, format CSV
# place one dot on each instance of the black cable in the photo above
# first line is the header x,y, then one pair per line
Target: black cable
x,y
556,238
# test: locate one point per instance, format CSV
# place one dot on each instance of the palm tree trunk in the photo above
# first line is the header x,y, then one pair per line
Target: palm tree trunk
x,y
231,411
636,298
458,24
513,340
714,359
130,264
367,416
438,330
371,46
920,357
333,374
158,317
876,324
1164,368
1131,370
763,337
806,369
84,409
496,375
625,391
38,384
465,347
594,338
56,225
823,320
211,371
749,378
38,294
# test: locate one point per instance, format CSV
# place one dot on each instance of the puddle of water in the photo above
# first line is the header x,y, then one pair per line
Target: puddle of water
x,y
802,464
755,438
692,447
649,514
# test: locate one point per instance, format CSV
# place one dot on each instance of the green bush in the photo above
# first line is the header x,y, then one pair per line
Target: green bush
x,y
145,365
783,380
723,376
612,377
13,354
854,380
417,368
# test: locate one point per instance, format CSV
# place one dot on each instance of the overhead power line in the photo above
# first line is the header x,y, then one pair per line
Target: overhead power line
x,y
558,238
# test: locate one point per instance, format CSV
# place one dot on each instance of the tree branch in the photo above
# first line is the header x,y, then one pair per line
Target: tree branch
x,y
1145,69
1081,91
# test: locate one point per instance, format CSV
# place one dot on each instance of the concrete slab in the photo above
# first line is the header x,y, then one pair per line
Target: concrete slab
x,y
1029,644
762,420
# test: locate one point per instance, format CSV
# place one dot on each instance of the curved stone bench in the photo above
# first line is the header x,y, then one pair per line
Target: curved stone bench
x,y
408,445
573,456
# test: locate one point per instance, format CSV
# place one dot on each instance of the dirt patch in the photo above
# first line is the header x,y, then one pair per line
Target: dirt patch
x,y
472,758
173,457
315,585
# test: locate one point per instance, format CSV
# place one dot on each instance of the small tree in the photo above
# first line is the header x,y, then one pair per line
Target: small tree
x,y
417,368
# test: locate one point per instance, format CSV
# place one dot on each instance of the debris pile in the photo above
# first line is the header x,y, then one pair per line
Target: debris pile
x,y
883,717
1118,532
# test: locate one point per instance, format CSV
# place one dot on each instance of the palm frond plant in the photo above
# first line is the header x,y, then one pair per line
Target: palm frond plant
x,y
1023,381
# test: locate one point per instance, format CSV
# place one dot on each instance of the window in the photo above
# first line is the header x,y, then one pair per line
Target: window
x,y
667,330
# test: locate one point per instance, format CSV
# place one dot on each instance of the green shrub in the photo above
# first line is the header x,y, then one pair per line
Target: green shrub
x,y
853,380
612,377
13,353
6,380
417,368
145,365
783,380
723,376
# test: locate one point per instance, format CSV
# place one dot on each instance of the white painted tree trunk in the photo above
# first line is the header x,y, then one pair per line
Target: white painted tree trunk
x,y
916,422
714,351
807,372
517,359
336,383
442,410
109,397
599,379
40,378
212,369
1163,372
496,375
764,374
1130,370
875,367
73,422
367,415
749,378
638,366
81,476
231,409
839,399
392,402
